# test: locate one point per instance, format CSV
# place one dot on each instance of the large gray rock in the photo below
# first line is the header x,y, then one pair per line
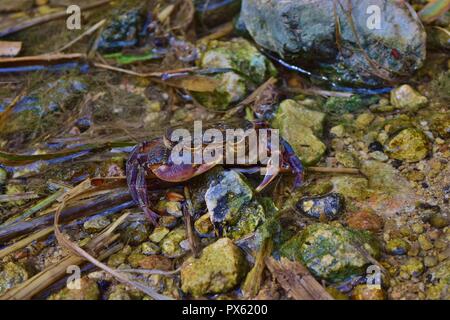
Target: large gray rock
x,y
334,31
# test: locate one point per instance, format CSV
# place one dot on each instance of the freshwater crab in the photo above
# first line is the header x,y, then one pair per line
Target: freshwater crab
x,y
154,159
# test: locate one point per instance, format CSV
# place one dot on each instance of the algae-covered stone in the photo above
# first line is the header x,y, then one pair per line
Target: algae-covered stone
x,y
305,31
410,145
88,291
121,32
364,120
170,245
300,127
12,275
250,69
331,252
301,115
150,248
41,110
440,124
368,292
405,97
397,246
439,288
413,267
96,224
390,192
203,225
220,268
322,207
351,187
233,206
158,234
347,159
136,232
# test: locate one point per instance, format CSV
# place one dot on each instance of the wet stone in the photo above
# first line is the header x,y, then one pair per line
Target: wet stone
x,y
158,234
170,245
211,13
305,32
368,292
347,159
89,291
365,220
240,55
438,289
397,246
413,267
438,220
326,207
405,97
232,204
301,128
136,233
121,32
410,145
204,226
350,187
329,251
220,267
96,224
150,248
11,275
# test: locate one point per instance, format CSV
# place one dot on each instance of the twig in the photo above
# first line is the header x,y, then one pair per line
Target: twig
x,y
151,271
220,32
39,206
75,249
296,280
47,18
113,202
26,241
187,213
317,91
41,59
81,36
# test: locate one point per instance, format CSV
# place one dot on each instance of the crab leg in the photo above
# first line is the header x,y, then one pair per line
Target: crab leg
x,y
293,161
138,185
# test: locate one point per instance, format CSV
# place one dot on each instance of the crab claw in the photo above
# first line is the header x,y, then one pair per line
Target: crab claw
x,y
271,172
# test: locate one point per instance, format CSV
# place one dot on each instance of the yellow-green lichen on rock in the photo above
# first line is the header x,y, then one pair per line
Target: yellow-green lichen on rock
x,y
410,145
330,251
249,67
220,268
12,275
301,128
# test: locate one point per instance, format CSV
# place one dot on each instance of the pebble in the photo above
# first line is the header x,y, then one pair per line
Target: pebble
x,y
397,246
150,248
158,234
430,261
378,155
365,220
424,242
412,268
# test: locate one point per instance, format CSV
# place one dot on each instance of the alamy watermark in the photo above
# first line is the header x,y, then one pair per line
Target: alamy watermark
x,y
230,146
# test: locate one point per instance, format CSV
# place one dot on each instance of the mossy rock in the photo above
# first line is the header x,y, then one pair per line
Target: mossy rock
x,y
300,127
410,145
331,252
220,268
249,67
